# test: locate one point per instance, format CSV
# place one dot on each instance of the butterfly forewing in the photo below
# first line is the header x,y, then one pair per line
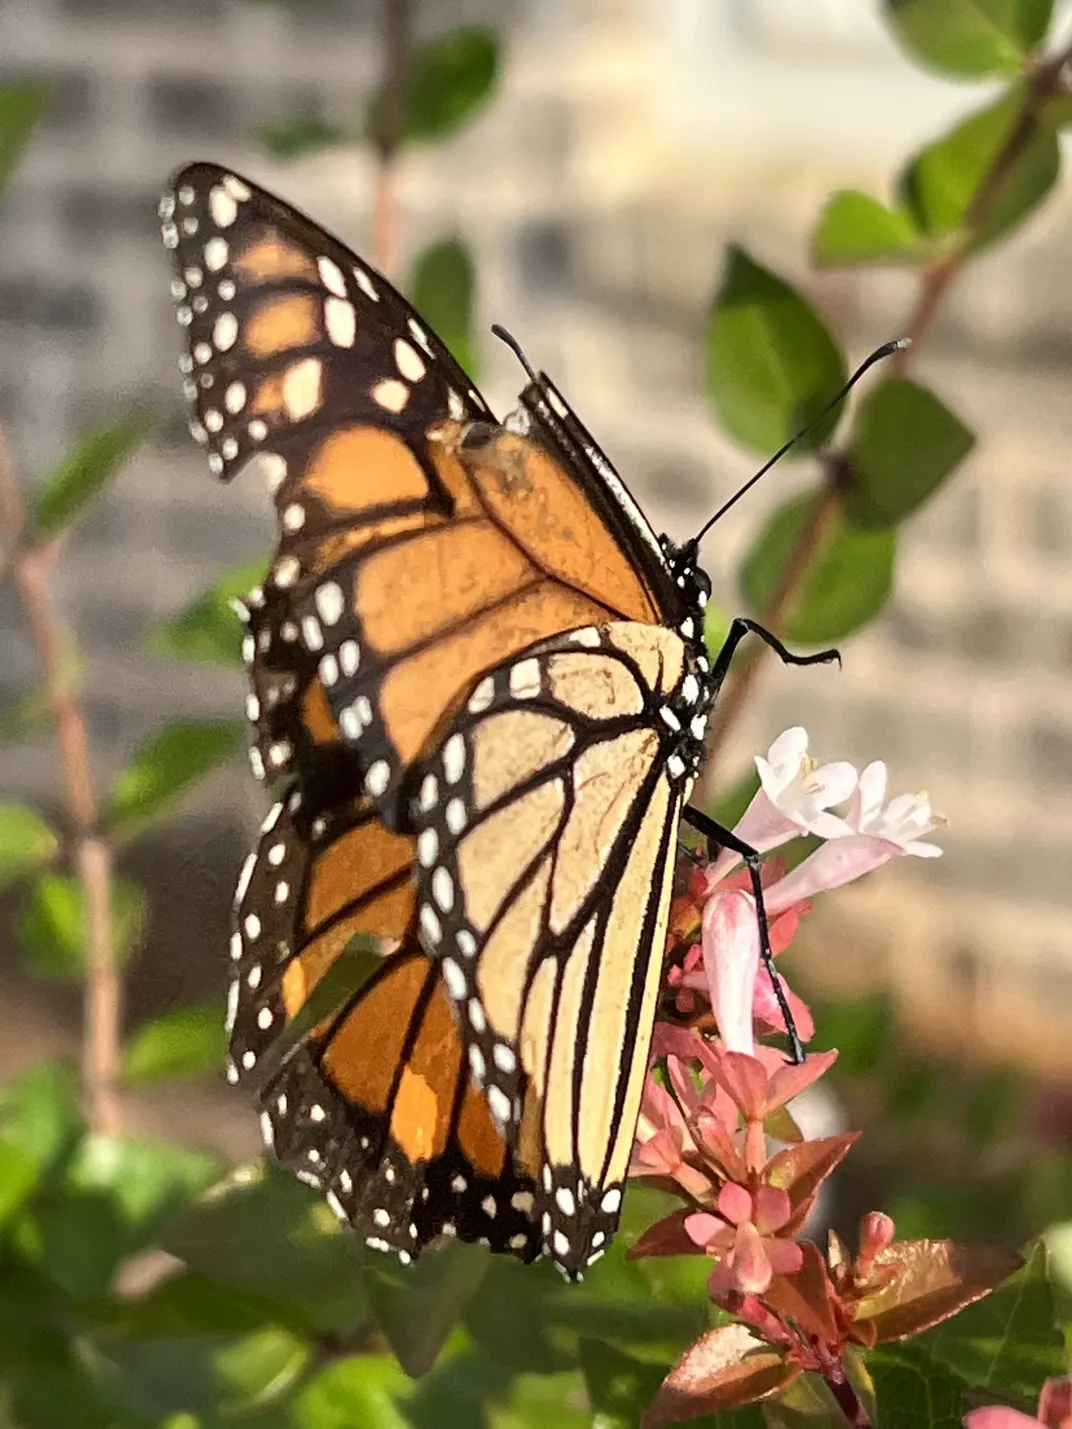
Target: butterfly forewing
x,y
372,1100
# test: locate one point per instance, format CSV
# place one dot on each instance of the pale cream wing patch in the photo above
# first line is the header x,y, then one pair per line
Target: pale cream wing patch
x,y
546,822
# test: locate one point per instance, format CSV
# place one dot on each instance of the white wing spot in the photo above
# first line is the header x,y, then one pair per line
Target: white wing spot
x,y
476,1015
249,1060
421,336
253,977
565,1202
443,889
488,1206
264,1018
222,206
499,1104
330,602
476,1063
465,942
216,254
455,405
274,468
522,1201
202,352
458,1185
390,394
317,1112
482,696
589,636
252,926
455,816
454,978
331,276
429,793
611,1201
427,847
430,924
277,853
364,282
454,758
267,1129
301,388
340,321
381,1217
233,991
518,1242
408,361
286,572
282,891
294,517
349,657
504,1058
312,634
561,1243
378,778
525,679
224,331
236,188
328,670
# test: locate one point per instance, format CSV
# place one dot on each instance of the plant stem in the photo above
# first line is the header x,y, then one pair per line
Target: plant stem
x,y
391,118
1048,79
31,566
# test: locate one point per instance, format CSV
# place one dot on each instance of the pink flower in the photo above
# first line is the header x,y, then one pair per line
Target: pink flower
x,y
743,1236
663,1138
731,961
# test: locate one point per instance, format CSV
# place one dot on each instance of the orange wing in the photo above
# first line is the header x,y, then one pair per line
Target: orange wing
x,y
418,542
374,1103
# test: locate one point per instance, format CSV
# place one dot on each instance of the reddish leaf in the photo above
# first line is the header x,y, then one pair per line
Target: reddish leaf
x,y
744,1078
782,1127
808,1297
792,1078
801,1170
724,1368
665,1237
931,1280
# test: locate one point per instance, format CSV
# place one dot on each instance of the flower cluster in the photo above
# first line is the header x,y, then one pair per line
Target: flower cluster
x,y
716,1126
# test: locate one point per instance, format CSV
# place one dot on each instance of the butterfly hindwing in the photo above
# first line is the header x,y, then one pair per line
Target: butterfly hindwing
x,y
546,824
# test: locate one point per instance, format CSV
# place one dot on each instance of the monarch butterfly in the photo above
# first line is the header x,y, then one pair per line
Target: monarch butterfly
x,y
481,680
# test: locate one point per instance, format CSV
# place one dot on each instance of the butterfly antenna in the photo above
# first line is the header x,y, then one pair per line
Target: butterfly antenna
x,y
880,353
515,347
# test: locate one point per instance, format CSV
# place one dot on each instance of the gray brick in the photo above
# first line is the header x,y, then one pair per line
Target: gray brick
x,y
35,302
1049,756
188,106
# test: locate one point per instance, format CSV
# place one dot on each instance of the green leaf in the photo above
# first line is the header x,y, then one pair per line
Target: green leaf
x,y
363,1390
303,134
619,1387
39,1113
1009,1341
210,1377
862,1031
448,81
772,364
847,582
913,1391
905,443
52,926
441,289
855,228
26,842
163,769
261,1230
85,472
970,39
18,1177
185,1043
940,185
417,1306
454,1395
545,1401
117,1195
20,109
209,629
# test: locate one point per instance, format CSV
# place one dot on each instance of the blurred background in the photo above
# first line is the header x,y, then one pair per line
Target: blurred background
x,y
629,142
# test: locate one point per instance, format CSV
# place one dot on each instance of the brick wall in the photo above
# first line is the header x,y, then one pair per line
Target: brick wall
x,y
598,197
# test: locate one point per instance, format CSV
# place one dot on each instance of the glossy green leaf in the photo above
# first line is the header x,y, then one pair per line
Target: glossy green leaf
x,y
40,1114
619,1387
117,1195
209,628
86,471
855,228
262,1230
848,579
914,1391
417,1306
54,1386
807,1403
18,1177
167,766
970,39
772,363
456,1393
449,80
52,926
20,109
362,1392
940,185
1009,1341
442,290
905,443
185,1043
299,136
26,842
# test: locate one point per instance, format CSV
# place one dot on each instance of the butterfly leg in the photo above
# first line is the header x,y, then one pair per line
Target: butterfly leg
x,y
728,839
741,627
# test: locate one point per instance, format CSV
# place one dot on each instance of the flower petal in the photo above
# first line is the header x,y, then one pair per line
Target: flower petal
x,y
734,1203
772,1209
731,960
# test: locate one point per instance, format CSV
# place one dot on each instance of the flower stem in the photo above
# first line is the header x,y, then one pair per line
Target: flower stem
x,y
31,565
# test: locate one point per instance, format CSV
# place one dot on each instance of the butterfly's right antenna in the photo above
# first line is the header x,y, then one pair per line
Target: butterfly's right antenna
x,y
880,353
515,347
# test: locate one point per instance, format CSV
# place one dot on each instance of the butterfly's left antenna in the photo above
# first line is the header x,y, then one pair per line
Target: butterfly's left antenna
x,y
880,353
515,347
